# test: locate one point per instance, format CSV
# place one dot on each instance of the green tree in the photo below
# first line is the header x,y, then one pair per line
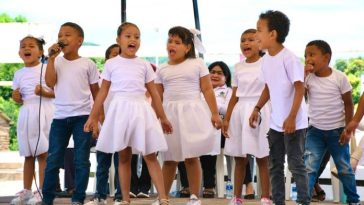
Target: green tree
x,y
7,71
11,109
5,18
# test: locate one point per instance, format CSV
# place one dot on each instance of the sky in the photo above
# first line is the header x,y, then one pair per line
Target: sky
x,y
336,21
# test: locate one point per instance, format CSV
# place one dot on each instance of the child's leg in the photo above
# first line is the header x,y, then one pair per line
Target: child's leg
x,y
294,145
208,165
276,165
102,174
28,172
145,181
42,158
156,174
239,175
341,156
169,172
193,168
124,172
134,175
264,176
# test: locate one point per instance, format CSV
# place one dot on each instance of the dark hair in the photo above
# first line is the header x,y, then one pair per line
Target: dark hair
x,y
76,27
108,50
277,21
225,69
123,26
187,38
323,46
40,41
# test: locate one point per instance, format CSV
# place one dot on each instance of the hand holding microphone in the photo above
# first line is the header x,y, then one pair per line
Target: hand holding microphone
x,y
55,49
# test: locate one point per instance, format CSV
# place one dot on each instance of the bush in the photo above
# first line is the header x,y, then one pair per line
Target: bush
x,y
11,109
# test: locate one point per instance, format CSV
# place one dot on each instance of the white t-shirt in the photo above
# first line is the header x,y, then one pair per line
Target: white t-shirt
x,y
72,89
280,72
128,75
27,78
223,95
182,81
248,78
326,106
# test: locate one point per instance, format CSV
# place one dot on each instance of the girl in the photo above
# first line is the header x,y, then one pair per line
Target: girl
x,y
242,139
181,81
32,128
130,121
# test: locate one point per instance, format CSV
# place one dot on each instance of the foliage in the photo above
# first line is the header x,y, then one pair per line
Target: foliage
x,y
99,62
7,71
11,109
5,18
353,68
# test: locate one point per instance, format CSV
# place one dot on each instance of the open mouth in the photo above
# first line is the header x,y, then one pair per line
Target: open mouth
x,y
247,49
172,52
133,46
27,54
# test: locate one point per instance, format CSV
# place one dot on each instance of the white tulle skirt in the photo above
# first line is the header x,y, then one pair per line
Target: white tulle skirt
x,y
244,139
31,140
193,134
130,121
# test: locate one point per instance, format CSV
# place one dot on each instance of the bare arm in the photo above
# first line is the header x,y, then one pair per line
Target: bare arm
x,y
45,93
263,99
17,96
349,110
50,74
208,92
289,125
231,105
156,101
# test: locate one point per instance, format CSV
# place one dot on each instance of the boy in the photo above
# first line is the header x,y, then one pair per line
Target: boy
x,y
284,77
74,79
330,108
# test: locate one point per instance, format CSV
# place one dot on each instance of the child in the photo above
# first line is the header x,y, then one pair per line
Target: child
x,y
130,121
330,108
34,116
242,139
181,81
74,79
104,160
283,76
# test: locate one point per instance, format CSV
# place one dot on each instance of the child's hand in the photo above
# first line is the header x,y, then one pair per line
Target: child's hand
x,y
225,127
92,125
54,50
166,126
348,132
17,96
308,69
253,119
216,121
289,125
38,90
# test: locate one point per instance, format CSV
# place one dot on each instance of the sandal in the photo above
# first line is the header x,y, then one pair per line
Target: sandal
x,y
184,193
208,193
249,196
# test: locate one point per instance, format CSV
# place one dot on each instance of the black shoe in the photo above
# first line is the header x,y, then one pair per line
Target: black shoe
x,y
65,194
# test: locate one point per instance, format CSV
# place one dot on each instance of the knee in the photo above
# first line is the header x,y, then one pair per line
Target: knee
x,y
191,161
150,157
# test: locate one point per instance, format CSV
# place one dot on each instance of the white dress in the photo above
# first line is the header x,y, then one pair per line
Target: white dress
x,y
130,120
31,140
193,134
244,139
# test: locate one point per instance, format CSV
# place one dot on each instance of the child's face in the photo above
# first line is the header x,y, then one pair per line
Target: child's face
x,y
217,77
114,52
176,49
316,59
70,38
249,45
129,41
263,36
29,52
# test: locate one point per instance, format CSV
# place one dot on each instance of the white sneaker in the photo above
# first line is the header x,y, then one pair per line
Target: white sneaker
x,y
97,201
236,201
22,197
37,198
265,201
161,202
193,200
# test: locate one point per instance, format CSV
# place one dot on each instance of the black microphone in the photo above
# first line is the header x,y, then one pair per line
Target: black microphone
x,y
52,52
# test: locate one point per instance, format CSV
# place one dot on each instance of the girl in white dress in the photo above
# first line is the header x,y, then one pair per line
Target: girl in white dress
x,y
243,139
33,142
130,122
181,80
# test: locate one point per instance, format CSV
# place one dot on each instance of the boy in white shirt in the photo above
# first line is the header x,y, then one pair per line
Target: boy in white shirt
x,y
284,78
330,108
74,79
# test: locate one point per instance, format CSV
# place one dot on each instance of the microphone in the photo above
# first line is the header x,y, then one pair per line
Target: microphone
x,y
52,52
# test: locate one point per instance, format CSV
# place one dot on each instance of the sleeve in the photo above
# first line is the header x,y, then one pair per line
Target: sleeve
x,y
106,73
93,74
203,70
158,79
149,74
16,83
345,85
294,69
